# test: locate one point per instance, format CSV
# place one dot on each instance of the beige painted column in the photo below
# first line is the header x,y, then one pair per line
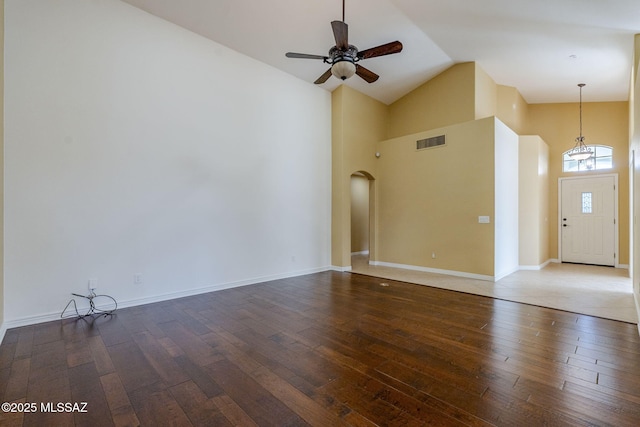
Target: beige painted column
x,y
358,124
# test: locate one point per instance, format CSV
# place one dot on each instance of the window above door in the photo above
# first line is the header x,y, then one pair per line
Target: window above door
x,y
601,159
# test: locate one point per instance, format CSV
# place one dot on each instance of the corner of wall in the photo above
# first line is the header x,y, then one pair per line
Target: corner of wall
x,y
511,108
506,217
486,94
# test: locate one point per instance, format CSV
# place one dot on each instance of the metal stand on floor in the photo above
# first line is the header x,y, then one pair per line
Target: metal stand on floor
x,y
106,299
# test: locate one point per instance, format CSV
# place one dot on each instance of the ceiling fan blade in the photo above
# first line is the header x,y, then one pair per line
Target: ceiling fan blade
x,y
368,75
385,49
323,78
304,56
341,34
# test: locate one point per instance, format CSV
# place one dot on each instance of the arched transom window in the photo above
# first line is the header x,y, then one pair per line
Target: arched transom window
x,y
602,159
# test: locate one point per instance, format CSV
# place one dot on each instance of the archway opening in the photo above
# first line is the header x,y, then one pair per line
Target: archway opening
x,y
362,217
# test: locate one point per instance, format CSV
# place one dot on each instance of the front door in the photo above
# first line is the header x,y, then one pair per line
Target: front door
x,y
587,220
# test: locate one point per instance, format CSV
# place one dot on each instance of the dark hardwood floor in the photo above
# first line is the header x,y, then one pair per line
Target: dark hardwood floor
x,y
326,349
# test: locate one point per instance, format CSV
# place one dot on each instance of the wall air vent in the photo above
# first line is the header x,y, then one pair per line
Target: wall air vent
x,y
435,141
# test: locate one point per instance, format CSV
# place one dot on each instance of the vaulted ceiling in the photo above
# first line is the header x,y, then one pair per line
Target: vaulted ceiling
x,y
544,48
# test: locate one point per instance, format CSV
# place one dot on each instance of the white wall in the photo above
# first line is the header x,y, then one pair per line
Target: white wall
x,y
134,146
506,200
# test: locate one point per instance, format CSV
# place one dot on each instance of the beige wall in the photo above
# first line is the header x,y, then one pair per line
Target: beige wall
x,y
446,99
486,94
431,200
359,213
511,107
534,201
459,95
358,123
604,123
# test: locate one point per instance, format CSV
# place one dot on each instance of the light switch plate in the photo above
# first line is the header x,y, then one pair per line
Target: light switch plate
x,y
484,219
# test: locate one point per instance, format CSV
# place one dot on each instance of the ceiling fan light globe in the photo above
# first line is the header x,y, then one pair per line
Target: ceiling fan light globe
x,y
343,69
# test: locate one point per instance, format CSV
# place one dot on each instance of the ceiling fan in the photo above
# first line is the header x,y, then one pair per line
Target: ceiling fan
x,y
344,57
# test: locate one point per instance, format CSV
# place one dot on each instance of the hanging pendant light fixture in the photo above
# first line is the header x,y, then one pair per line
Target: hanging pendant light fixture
x,y
580,152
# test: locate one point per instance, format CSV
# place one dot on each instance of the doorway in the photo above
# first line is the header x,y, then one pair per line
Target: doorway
x,y
359,215
363,214
588,220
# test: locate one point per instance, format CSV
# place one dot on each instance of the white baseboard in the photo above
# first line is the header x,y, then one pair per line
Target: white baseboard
x,y
529,267
635,297
26,321
434,270
472,275
536,267
341,269
505,273
32,320
360,253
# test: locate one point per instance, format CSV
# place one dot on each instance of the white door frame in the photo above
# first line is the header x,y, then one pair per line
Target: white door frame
x,y
615,212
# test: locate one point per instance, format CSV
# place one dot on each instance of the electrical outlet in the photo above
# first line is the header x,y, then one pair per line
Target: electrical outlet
x,y
137,278
93,284
433,255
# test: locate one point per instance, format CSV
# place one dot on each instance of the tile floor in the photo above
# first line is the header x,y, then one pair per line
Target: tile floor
x,y
596,291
